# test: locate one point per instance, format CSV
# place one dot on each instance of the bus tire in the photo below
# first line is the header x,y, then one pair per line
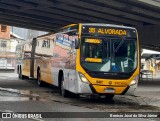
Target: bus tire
x,y
64,92
18,69
20,74
23,76
39,81
109,97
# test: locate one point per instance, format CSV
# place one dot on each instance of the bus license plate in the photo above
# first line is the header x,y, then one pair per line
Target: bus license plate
x,y
109,90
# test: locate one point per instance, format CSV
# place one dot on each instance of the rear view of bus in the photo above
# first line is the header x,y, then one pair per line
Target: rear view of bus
x,y
107,61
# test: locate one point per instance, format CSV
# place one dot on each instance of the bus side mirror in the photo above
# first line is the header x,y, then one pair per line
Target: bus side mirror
x,y
77,43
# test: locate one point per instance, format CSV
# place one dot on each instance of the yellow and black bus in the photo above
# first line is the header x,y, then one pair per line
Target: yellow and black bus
x,y
85,59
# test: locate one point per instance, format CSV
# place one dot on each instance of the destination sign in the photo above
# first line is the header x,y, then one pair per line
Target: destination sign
x,y
110,31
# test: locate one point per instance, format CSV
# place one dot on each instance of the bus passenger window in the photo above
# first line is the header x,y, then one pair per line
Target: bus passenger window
x,y
48,44
37,43
44,43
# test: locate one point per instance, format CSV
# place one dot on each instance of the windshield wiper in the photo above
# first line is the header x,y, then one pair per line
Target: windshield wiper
x,y
120,44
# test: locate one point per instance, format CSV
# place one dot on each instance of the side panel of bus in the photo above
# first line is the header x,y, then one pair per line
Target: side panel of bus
x,y
63,61
19,57
26,59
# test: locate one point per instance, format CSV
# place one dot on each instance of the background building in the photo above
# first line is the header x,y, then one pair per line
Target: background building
x,y
9,38
8,42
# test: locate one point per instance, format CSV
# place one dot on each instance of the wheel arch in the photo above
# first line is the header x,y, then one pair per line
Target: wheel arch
x,y
38,69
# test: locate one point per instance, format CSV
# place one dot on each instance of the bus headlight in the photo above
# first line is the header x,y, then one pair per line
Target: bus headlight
x,y
83,78
134,81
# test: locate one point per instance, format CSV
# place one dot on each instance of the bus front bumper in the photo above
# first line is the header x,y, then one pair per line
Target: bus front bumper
x,y
131,90
85,88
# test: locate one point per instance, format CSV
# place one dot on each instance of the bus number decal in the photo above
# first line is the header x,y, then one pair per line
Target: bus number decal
x,y
92,30
99,81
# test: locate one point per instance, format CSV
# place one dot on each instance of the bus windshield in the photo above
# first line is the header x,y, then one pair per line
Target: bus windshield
x,y
109,54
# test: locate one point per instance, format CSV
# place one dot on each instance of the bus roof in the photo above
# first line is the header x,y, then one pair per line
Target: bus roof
x,y
99,24
86,24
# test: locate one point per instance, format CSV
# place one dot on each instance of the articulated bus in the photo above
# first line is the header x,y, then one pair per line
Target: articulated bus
x,y
85,59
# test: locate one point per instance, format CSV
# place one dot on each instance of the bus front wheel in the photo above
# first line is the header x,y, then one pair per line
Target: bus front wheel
x,y
64,92
40,82
20,75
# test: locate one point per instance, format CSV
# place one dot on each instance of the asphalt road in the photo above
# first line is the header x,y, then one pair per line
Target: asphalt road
x,y
18,95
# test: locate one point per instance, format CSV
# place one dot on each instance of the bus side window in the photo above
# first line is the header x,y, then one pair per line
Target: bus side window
x,y
37,43
44,43
48,43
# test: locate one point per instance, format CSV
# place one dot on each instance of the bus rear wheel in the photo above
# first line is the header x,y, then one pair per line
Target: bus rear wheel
x,y
21,76
64,92
39,81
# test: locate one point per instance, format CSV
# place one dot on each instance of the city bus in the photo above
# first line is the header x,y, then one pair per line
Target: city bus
x,y
85,59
